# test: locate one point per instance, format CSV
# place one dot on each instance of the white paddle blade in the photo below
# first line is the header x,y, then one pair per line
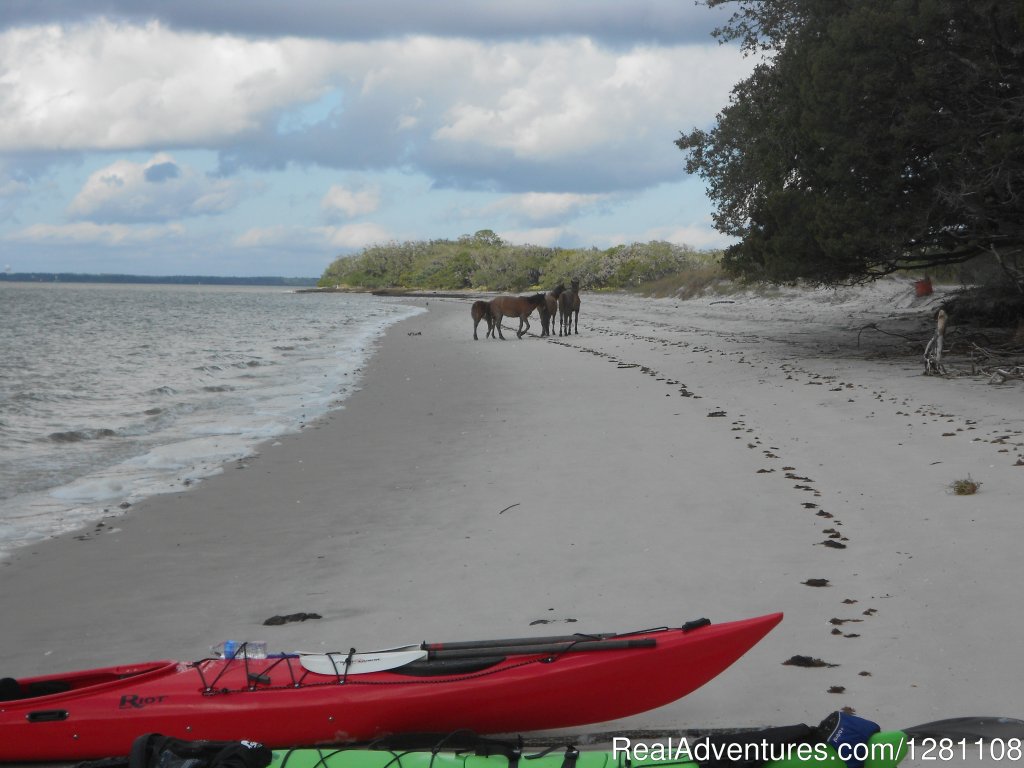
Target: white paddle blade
x,y
336,664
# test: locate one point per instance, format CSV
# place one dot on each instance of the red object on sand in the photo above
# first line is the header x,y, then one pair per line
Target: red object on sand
x,y
923,287
279,703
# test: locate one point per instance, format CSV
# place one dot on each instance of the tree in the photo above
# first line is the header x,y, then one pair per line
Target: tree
x,y
874,136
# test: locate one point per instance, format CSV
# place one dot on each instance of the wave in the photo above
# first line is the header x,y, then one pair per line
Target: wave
x,y
80,435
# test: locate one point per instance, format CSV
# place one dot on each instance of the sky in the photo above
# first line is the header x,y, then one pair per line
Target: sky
x,y
260,137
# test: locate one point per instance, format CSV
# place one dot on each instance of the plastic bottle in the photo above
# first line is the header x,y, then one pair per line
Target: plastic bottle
x,y
231,649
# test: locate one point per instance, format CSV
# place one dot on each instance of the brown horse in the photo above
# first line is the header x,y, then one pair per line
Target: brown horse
x,y
569,309
482,311
549,309
515,306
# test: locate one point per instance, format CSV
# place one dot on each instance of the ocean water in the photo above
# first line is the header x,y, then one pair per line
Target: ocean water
x,y
112,393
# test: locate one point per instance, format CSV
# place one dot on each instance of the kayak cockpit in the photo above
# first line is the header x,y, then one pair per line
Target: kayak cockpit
x,y
12,690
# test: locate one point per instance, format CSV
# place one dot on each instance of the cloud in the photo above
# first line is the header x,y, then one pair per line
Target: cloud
x,y
611,21
350,202
695,235
86,232
354,236
561,115
541,207
549,114
116,86
12,192
348,237
161,172
158,190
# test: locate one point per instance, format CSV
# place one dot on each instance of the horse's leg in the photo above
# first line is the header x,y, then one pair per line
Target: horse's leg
x,y
576,321
524,319
498,317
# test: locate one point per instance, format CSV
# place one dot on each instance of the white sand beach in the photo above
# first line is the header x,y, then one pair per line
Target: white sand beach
x,y
675,460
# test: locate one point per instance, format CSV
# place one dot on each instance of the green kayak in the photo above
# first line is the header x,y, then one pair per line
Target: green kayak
x,y
882,750
841,740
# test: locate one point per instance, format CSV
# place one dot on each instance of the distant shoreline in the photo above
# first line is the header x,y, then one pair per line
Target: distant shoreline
x,y
71,277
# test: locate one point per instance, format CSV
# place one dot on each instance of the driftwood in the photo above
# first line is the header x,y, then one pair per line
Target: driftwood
x,y
998,362
1002,375
874,327
933,352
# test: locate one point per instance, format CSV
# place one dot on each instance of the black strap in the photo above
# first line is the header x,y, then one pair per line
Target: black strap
x,y
152,749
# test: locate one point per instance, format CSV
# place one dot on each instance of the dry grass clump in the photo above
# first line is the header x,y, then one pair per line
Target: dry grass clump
x,y
965,487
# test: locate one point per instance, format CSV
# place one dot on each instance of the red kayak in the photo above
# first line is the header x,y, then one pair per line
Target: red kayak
x,y
291,700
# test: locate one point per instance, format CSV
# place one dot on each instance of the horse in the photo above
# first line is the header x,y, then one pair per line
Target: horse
x,y
481,310
515,306
550,309
569,309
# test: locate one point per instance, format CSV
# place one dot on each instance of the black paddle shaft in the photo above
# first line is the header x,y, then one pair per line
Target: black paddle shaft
x,y
513,641
532,650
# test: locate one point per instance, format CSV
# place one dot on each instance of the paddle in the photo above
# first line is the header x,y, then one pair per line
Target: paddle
x,y
552,648
379,661
467,644
969,728
342,664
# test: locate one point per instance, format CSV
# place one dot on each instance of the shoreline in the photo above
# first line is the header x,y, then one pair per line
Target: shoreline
x,y
173,413
645,472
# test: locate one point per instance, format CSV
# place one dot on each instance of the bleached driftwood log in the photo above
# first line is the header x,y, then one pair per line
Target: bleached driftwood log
x,y
933,352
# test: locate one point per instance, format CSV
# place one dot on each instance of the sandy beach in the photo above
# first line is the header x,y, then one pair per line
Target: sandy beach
x,y
675,460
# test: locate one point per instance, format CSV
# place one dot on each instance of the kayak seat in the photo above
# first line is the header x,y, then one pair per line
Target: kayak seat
x,y
438,667
11,690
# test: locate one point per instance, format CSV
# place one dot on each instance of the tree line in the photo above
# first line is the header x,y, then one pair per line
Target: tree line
x,y
483,261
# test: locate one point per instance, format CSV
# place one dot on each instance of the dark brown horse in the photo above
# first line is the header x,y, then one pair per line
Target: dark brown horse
x,y
482,311
569,310
515,306
549,309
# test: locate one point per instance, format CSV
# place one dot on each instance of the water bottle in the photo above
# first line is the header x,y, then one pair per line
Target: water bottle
x,y
231,649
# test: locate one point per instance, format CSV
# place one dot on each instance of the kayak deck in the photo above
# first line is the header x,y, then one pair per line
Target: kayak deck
x,y
281,703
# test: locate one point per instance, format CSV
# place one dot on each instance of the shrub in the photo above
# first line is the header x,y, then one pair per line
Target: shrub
x,y
966,487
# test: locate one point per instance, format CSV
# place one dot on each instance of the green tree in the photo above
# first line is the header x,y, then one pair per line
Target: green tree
x,y
874,136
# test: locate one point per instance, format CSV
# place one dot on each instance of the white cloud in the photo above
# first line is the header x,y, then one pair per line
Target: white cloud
x,y
353,236
106,85
262,237
416,101
350,202
695,235
85,232
348,237
570,96
157,190
544,206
